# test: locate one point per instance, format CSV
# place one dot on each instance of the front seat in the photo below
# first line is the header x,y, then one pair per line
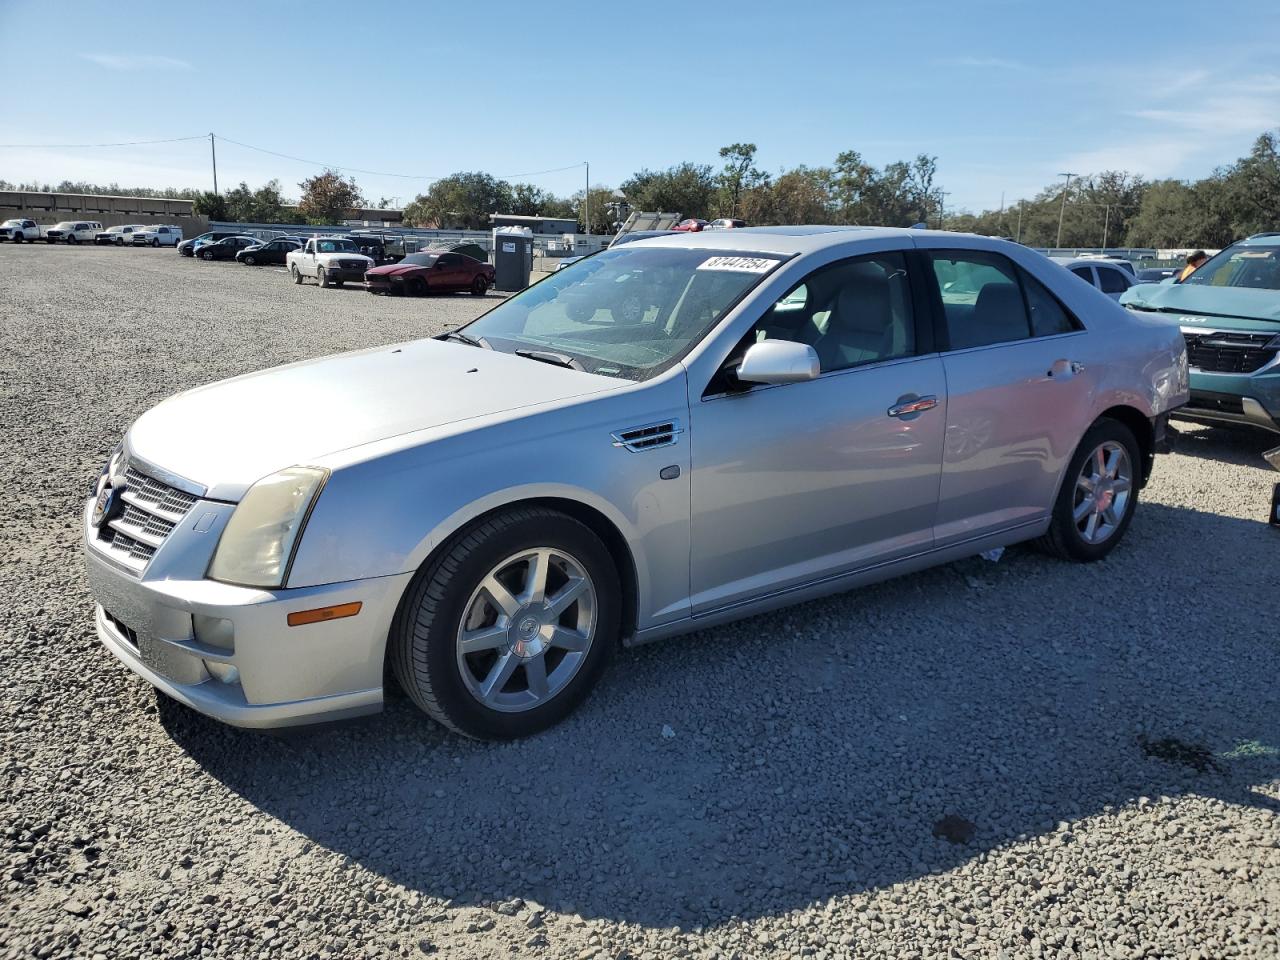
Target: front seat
x,y
860,327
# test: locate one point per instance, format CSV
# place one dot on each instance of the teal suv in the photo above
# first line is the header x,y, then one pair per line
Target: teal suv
x,y
1229,313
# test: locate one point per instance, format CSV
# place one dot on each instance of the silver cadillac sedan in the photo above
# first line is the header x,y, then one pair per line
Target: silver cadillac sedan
x,y
662,437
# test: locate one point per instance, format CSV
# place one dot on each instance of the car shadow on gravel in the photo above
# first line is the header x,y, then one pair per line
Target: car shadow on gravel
x,y
842,745
1242,446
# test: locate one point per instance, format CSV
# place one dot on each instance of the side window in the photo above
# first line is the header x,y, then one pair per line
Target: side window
x,y
981,298
1112,280
1048,316
1085,274
449,260
852,312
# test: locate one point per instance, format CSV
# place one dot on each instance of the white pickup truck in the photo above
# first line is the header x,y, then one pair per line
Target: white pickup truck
x,y
157,236
330,260
19,230
73,231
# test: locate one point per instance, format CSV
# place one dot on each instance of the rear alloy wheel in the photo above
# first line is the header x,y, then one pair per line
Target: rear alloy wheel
x,y
293,272
478,286
1098,496
507,631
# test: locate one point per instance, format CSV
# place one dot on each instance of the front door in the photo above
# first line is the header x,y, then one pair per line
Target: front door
x,y
1019,394
796,482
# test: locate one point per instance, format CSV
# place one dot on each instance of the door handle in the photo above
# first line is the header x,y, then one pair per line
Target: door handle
x,y
1063,369
910,406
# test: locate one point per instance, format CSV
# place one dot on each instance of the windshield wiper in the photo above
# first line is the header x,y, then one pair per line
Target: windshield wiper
x,y
464,338
546,356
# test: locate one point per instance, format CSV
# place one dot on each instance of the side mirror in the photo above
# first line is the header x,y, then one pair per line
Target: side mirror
x,y
778,361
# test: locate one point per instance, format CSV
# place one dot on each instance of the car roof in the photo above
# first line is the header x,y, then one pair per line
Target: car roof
x,y
804,238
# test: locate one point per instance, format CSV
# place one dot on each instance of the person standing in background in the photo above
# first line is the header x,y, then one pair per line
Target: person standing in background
x,y
1193,263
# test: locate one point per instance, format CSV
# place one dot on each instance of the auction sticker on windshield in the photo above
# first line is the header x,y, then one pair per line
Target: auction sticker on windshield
x,y
738,264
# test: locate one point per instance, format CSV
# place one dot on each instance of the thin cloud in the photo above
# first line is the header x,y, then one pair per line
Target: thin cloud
x,y
135,62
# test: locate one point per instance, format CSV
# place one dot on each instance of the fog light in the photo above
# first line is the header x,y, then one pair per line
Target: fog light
x,y
225,672
214,632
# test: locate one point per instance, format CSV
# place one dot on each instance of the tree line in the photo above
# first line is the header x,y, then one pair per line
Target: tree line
x,y
1112,207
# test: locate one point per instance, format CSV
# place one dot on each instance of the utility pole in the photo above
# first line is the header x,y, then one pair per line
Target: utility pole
x,y
1018,236
586,200
1106,223
213,151
1063,212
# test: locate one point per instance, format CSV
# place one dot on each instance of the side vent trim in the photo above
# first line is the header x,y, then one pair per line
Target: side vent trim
x,y
648,437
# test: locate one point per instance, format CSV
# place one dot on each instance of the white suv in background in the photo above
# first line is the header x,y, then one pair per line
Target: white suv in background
x,y
164,236
73,231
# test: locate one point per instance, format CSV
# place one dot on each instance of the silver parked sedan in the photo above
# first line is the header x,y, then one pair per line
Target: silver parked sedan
x,y
673,434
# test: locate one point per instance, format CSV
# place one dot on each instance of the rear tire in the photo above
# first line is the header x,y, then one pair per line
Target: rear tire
x,y
445,679
1098,497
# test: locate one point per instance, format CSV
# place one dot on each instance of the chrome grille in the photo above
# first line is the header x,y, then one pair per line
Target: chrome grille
x,y
151,512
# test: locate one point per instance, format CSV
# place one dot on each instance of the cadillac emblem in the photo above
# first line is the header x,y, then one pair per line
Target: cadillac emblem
x,y
107,504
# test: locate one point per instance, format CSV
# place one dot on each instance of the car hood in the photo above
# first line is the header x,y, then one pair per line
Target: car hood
x,y
396,269
227,435
1192,298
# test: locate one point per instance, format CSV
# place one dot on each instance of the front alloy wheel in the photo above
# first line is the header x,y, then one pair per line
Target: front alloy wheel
x,y
526,630
510,626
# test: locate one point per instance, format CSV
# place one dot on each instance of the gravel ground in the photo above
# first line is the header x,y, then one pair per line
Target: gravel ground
x,y
1023,758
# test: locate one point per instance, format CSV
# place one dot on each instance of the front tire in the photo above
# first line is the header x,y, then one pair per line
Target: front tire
x,y
478,286
249,260
72,238
1098,496
293,272
322,277
509,629
206,255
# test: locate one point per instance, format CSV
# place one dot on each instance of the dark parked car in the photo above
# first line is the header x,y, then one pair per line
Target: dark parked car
x,y
226,248
421,273
187,247
273,251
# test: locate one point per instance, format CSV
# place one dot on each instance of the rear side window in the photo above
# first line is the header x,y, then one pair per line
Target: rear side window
x,y
987,299
1085,274
1112,280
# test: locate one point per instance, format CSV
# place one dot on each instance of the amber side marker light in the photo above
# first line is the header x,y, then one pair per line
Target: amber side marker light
x,y
321,614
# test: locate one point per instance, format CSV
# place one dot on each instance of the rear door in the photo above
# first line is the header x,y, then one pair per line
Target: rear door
x,y
1018,392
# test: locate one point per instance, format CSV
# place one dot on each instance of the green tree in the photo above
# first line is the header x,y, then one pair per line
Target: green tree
x,y
687,188
328,197
461,201
527,200
211,206
802,195
738,176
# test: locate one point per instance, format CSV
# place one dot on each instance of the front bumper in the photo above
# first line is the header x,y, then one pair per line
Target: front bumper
x,y
390,285
170,625
1250,399
355,275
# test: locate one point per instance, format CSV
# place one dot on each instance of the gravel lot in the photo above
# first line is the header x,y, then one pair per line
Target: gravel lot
x,y
1022,759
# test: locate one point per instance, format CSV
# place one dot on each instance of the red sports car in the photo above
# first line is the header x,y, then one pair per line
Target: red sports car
x,y
421,273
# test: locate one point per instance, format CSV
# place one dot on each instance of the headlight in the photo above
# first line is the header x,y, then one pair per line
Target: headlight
x,y
258,543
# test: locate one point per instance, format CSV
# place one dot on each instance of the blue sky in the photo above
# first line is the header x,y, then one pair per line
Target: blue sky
x,y
1006,93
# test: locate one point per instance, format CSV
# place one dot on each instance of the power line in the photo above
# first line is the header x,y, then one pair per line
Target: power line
x,y
79,146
